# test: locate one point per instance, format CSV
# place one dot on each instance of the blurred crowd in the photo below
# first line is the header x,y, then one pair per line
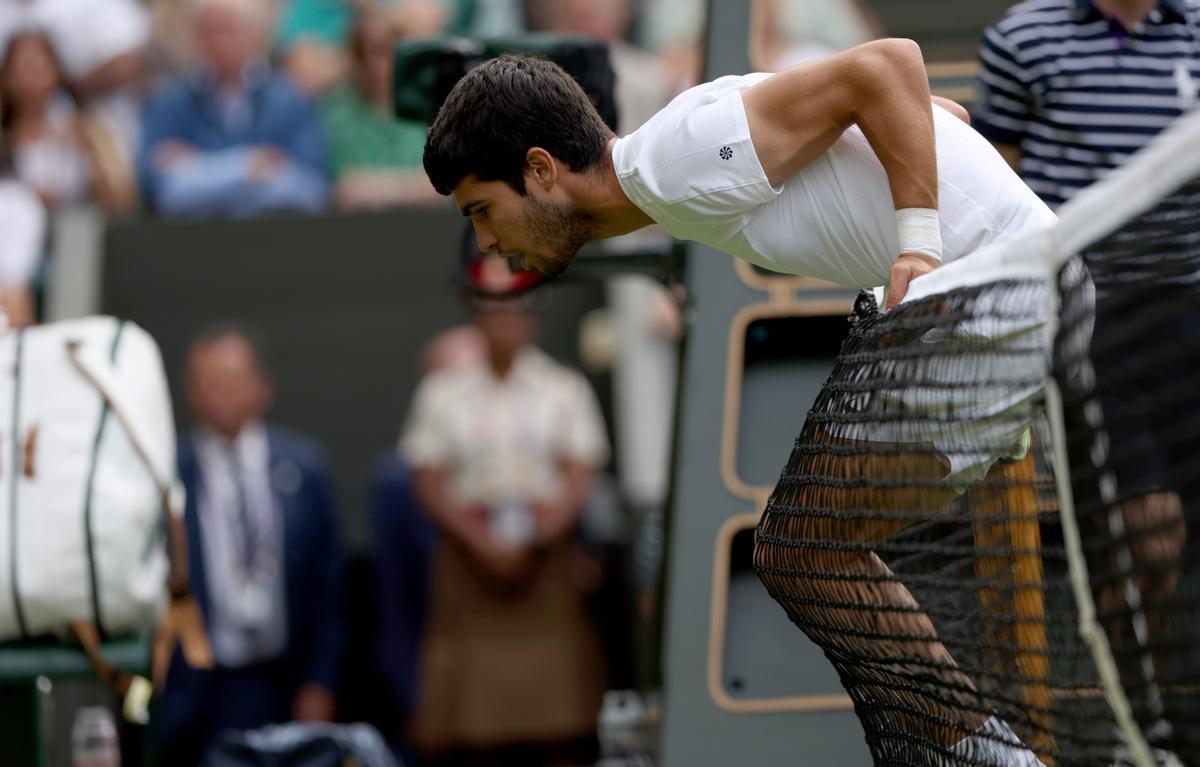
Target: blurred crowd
x,y
491,644
196,108
485,570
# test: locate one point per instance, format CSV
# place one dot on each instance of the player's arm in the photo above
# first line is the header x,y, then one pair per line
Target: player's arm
x,y
882,86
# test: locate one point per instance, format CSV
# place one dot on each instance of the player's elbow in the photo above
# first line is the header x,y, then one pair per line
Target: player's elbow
x,y
883,69
899,50
888,63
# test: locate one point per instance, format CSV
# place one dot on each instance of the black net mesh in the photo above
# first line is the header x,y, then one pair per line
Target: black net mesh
x,y
914,534
1127,360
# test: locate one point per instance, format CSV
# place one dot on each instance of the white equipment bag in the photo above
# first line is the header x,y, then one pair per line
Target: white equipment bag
x,y
87,467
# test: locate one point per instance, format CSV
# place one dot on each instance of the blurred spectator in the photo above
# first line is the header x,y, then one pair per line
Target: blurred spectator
x,y
789,32
65,157
311,34
377,157
263,554
504,451
232,137
101,44
22,239
644,83
1069,89
22,242
672,29
172,47
404,544
461,345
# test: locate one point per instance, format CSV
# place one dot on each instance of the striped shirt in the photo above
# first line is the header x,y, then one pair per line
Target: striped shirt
x,y
1077,92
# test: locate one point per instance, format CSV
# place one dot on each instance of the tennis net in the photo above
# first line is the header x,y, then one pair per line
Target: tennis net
x,y
986,522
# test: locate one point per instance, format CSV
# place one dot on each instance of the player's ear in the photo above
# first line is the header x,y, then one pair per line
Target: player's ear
x,y
541,168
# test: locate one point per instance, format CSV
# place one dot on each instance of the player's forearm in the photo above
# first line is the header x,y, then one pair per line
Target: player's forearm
x,y
892,106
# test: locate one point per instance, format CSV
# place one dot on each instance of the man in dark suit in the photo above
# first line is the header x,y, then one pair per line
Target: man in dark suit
x,y
263,556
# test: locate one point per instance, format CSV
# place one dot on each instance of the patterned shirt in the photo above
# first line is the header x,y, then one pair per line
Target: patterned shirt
x,y
1078,93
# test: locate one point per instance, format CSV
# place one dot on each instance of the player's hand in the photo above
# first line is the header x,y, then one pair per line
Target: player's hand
x,y
908,267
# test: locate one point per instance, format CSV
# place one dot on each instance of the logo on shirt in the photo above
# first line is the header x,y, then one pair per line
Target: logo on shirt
x,y
726,152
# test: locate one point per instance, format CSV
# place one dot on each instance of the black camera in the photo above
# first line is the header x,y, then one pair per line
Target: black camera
x,y
426,69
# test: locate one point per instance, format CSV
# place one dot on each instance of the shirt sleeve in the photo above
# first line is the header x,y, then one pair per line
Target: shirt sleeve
x,y
115,28
583,437
693,165
1005,99
23,221
426,441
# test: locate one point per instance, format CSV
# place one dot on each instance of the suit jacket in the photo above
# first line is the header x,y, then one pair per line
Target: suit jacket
x,y
215,181
404,542
312,570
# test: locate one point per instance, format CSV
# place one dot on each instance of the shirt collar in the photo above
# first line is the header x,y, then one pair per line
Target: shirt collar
x,y
251,444
1177,8
255,74
527,367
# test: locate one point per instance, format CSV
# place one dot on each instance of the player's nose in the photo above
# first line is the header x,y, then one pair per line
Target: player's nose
x,y
485,239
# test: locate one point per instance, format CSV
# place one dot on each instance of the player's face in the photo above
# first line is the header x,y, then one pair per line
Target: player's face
x,y
545,232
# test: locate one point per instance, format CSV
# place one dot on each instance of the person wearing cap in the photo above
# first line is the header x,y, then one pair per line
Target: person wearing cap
x,y
503,450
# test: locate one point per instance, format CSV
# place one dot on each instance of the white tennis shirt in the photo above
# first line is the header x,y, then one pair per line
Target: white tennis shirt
x,y
693,169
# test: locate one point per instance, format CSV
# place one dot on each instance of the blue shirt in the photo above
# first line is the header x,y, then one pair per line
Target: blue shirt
x,y
1077,92
227,128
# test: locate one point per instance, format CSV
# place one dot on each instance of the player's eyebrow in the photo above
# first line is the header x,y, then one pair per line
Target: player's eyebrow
x,y
468,209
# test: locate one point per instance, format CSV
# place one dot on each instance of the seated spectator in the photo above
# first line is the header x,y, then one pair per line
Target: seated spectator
x,y
263,557
22,243
504,451
172,48
232,137
312,34
376,156
54,149
789,32
100,43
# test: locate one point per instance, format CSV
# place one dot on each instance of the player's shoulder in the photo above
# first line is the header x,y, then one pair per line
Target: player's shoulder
x,y
713,90
692,147
1036,14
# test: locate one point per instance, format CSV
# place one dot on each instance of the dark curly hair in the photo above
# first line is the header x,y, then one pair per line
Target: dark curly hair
x,y
502,108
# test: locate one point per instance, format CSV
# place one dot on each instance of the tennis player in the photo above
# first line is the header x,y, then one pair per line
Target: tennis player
x,y
844,168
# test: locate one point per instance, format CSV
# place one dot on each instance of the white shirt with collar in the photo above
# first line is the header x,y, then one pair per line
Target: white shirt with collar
x,y
503,440
247,608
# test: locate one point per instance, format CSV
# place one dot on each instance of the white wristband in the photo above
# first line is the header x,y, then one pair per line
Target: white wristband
x,y
919,231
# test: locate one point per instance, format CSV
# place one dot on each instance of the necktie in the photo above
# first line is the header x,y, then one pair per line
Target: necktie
x,y
245,519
